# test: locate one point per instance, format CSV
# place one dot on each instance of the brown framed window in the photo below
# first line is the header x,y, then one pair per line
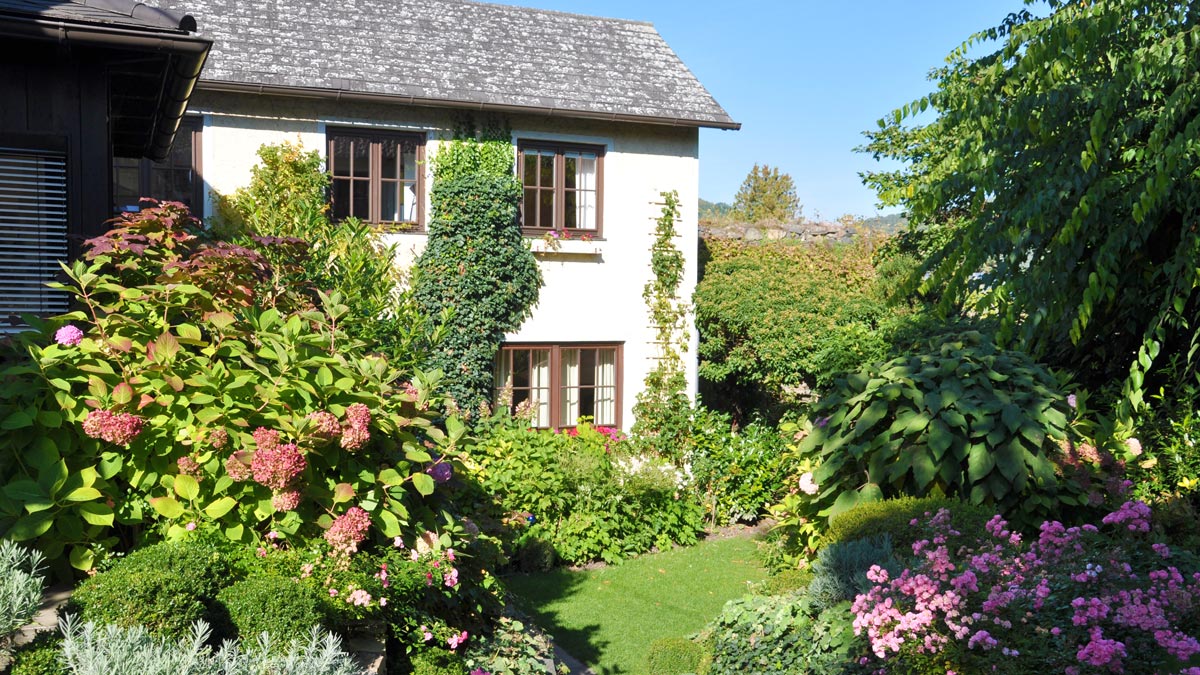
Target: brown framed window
x,y
562,383
564,186
377,177
175,179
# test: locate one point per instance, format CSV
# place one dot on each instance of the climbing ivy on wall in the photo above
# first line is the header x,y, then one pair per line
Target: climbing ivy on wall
x,y
663,409
476,269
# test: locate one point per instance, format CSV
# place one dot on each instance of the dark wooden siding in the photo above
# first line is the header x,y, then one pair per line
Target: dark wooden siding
x,y
52,97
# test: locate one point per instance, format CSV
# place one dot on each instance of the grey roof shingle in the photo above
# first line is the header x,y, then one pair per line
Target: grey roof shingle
x,y
115,13
454,52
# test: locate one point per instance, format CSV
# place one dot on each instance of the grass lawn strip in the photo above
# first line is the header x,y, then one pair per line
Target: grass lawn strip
x,y
608,617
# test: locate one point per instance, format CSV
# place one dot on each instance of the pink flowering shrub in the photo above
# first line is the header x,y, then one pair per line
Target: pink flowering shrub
x,y
197,378
1073,600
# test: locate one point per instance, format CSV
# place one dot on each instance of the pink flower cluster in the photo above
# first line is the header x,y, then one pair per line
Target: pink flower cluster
x,y
1072,586
188,466
237,466
218,438
276,466
286,500
1134,515
68,336
118,428
348,530
326,423
356,434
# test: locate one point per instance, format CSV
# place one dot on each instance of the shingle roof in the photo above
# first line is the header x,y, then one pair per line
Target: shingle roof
x,y
454,52
115,13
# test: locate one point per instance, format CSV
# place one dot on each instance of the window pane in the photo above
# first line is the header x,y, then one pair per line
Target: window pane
x,y
520,368
390,208
571,213
340,162
545,209
584,177
546,167
587,367
341,198
389,148
529,175
585,210
361,199
361,159
125,184
408,208
570,168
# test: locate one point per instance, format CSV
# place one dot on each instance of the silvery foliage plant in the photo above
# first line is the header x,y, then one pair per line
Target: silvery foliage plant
x,y
91,649
21,583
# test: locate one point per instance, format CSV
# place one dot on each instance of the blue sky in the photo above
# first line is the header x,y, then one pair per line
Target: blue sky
x,y
804,78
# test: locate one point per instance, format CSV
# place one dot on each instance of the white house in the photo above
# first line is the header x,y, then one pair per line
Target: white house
x,y
604,117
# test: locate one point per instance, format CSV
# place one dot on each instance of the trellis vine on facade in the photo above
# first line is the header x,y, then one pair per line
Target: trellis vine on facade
x,y
666,383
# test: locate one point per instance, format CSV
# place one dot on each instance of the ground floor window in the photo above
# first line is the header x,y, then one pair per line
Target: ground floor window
x,y
562,383
174,179
33,232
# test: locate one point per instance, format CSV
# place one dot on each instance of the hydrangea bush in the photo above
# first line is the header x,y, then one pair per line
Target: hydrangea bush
x,y
194,387
1075,600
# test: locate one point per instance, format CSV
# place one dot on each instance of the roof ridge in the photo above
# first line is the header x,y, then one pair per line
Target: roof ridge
x,y
538,10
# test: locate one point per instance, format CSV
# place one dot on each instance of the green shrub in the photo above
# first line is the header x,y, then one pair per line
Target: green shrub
x,y
42,656
90,649
585,493
21,584
893,517
779,319
283,607
677,656
840,569
787,581
737,474
165,587
783,635
962,417
437,662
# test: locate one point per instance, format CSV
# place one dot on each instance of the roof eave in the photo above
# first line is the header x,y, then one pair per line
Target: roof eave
x,y
191,53
398,99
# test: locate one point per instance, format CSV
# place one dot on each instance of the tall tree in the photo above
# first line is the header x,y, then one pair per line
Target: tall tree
x,y
1068,159
767,194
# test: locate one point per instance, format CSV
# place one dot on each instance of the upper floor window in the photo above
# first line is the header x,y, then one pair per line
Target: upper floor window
x,y
377,176
174,179
563,184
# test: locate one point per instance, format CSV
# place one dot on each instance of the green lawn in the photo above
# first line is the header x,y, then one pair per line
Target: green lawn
x,y
608,617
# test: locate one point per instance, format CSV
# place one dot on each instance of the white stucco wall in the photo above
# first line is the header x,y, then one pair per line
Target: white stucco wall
x,y
593,291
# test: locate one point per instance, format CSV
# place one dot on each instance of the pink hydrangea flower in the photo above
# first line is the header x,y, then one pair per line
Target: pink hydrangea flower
x,y
118,428
188,466
450,579
218,438
358,415
326,423
348,530
68,336
237,467
287,500
276,467
355,438
265,439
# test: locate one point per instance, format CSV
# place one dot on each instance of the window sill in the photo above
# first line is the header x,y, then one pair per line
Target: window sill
x,y
569,247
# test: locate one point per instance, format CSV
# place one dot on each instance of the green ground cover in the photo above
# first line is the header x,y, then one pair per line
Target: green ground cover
x,y
608,617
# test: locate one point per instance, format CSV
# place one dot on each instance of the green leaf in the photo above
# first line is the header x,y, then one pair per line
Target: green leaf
x,y
390,525
96,513
17,420
166,347
167,507
31,526
220,507
391,477
979,462
83,494
187,487
343,492
424,483
122,393
82,558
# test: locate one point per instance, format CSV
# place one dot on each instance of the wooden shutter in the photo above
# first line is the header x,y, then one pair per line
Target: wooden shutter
x,y
33,232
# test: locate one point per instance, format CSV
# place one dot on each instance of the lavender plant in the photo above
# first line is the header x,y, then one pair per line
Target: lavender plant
x,y
21,583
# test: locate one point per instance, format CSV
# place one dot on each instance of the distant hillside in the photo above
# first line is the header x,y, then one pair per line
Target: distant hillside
x,y
712,210
890,224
